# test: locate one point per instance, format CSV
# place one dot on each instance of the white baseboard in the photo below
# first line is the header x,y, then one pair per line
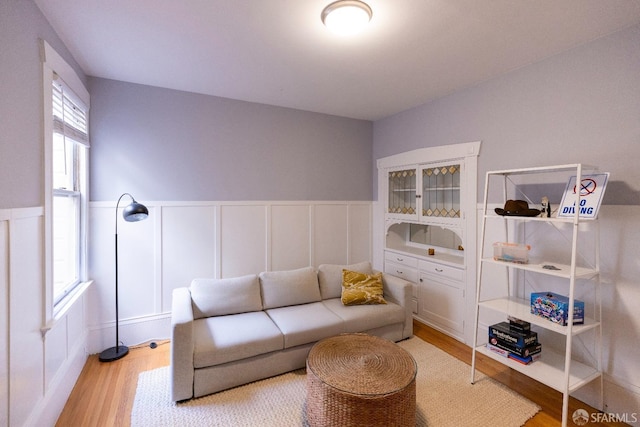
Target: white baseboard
x,y
131,332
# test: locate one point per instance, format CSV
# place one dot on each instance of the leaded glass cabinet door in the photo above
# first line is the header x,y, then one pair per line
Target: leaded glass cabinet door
x,y
441,191
402,193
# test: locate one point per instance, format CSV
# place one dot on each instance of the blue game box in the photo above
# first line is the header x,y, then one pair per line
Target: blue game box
x,y
556,307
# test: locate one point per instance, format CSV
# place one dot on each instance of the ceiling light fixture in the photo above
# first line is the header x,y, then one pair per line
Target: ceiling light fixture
x,y
346,16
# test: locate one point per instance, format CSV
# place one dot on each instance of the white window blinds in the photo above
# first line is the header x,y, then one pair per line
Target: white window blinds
x,y
69,118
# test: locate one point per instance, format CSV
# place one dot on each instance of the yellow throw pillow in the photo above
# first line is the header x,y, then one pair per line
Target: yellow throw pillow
x,y
360,288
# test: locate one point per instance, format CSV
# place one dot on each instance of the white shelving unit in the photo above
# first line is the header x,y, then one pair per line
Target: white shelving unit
x,y
559,370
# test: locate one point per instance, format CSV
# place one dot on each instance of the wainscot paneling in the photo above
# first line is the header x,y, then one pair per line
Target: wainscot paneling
x,y
4,319
39,363
290,236
188,249
25,317
331,234
360,217
184,240
243,239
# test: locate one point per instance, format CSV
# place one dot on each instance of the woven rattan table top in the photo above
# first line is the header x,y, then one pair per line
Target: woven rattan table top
x,y
361,364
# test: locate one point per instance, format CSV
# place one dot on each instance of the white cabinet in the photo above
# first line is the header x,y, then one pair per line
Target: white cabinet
x,y
564,258
438,289
429,198
441,294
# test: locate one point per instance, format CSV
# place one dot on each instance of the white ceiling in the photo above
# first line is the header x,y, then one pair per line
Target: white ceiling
x,y
278,52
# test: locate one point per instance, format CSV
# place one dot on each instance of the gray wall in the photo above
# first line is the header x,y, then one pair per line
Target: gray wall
x,y
161,144
21,153
581,106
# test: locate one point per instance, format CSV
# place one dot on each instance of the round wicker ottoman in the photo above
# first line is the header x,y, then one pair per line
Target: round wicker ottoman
x,y
360,380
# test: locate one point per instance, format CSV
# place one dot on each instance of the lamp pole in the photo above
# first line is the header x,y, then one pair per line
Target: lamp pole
x,y
132,213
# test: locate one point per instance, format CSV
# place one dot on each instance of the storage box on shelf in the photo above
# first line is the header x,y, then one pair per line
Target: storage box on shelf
x,y
511,252
555,308
574,272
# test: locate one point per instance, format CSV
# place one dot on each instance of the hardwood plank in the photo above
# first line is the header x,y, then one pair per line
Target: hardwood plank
x,y
104,393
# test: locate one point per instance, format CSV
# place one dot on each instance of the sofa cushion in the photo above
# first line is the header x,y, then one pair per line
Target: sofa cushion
x,y
225,339
362,318
291,287
218,297
305,323
330,277
360,288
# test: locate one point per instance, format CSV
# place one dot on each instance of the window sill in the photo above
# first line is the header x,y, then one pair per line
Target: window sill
x,y
61,309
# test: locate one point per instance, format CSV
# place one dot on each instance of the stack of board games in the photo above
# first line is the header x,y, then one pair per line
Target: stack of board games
x,y
514,339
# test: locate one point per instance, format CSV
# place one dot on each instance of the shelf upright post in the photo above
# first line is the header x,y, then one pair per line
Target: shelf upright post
x,y
478,278
505,194
598,303
572,280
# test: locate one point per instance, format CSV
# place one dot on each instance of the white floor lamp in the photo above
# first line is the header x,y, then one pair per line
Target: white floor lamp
x,y
132,213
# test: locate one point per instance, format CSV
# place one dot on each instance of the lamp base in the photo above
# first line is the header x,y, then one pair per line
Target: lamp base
x,y
114,353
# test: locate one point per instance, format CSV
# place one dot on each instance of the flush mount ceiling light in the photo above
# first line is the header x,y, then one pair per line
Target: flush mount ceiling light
x,y
346,16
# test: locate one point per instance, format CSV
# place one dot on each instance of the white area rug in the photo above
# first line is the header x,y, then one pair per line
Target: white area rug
x,y
444,396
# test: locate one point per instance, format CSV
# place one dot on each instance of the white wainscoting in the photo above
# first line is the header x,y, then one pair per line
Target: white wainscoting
x,y
4,318
184,240
37,370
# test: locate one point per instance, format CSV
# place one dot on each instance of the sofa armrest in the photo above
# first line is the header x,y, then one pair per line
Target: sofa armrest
x,y
182,345
400,291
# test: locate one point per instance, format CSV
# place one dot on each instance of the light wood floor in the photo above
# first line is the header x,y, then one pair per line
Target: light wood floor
x,y
104,393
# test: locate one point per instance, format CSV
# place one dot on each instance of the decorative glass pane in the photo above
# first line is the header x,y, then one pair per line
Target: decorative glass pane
x,y
441,191
402,192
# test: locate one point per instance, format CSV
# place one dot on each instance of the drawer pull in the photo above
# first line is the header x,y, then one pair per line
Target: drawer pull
x,y
439,270
398,271
399,259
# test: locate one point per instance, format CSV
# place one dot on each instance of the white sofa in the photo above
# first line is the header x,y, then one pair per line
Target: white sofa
x,y
229,332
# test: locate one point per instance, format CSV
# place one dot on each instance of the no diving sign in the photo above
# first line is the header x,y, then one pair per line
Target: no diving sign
x,y
591,191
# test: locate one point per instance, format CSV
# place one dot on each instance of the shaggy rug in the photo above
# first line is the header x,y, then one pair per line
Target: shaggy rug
x,y
444,397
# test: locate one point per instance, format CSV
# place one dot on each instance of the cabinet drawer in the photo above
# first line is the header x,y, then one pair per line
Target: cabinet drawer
x,y
442,270
407,273
401,259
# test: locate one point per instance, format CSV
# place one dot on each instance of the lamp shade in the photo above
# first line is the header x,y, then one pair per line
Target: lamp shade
x,y
346,16
135,212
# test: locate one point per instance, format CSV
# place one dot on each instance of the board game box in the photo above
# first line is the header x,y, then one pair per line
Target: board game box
x,y
555,307
512,336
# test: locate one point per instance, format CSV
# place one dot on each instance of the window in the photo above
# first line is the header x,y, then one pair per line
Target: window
x,y
66,169
68,156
